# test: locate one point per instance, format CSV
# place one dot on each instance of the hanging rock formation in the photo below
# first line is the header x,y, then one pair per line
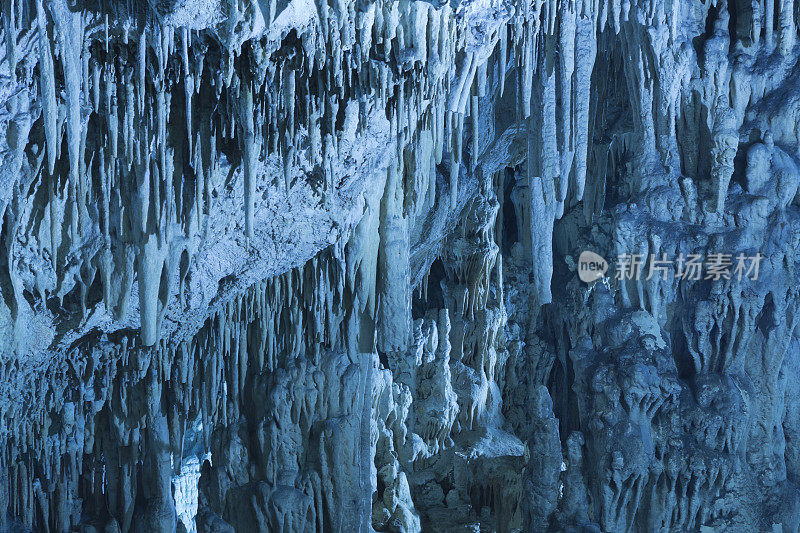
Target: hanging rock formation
x,y
313,265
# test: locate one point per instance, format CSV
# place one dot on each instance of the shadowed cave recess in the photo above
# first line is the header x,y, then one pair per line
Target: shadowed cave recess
x,y
313,265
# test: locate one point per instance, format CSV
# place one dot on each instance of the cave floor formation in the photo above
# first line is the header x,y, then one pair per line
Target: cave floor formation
x,y
398,265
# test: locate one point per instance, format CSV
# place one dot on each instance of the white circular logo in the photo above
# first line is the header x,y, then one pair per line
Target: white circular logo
x,y
591,266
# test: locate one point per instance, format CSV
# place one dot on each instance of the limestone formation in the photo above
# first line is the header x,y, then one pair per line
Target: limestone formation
x,y
314,265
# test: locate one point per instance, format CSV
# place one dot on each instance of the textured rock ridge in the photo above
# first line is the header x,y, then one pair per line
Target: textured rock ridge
x,y
313,265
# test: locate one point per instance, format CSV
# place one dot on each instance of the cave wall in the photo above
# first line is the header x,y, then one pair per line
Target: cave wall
x,y
314,266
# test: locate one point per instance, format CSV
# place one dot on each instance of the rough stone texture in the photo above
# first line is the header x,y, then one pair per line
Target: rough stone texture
x,y
312,266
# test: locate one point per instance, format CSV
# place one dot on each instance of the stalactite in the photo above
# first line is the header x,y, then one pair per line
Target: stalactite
x,y
382,340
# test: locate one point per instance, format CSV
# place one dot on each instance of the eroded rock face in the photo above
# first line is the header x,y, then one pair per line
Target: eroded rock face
x,y
312,266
